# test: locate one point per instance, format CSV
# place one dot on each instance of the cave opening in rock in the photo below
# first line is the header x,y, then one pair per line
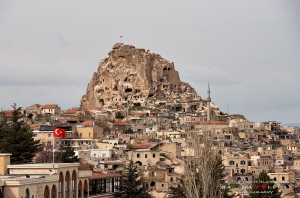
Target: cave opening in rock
x,y
137,104
178,108
150,95
101,101
128,90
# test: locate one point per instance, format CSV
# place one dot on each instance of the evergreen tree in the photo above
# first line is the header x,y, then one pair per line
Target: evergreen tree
x,y
132,184
16,137
179,191
66,154
263,187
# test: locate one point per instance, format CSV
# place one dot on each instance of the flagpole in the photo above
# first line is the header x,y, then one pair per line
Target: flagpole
x,y
53,147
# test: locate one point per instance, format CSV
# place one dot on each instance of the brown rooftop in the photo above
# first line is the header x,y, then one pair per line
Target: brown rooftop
x,y
119,123
102,175
140,146
49,106
210,122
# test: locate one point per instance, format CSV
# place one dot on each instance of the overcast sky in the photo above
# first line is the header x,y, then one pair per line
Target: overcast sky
x,y
248,50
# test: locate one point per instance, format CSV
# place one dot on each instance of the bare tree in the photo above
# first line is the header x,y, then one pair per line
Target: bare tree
x,y
45,154
85,165
204,171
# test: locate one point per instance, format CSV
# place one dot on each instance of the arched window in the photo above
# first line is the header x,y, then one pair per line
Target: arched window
x,y
73,183
231,162
27,193
67,184
85,188
53,191
152,183
243,162
139,163
243,171
79,189
60,184
46,192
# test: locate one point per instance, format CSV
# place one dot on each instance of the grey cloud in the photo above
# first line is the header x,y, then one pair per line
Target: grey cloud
x,y
248,50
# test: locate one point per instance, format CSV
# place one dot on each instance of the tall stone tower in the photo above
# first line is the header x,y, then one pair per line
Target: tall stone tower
x,y
208,102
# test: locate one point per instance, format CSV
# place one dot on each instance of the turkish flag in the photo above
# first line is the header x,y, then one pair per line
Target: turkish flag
x,y
59,132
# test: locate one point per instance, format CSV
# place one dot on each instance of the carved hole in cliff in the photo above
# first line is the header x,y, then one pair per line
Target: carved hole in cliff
x,y
100,91
101,101
137,104
165,68
128,90
137,91
161,80
178,108
193,107
150,95
125,79
106,89
115,88
169,69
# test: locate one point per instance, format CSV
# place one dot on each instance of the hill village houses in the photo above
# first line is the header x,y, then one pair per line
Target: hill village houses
x,y
158,144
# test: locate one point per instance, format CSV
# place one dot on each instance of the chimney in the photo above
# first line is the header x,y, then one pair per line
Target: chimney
x,y
4,161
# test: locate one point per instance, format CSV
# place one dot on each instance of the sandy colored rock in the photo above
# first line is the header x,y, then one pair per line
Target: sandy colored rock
x,y
131,75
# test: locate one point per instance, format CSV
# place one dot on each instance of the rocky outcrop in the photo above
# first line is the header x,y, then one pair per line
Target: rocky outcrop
x,y
131,75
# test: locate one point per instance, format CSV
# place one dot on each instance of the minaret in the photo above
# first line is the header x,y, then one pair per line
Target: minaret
x,y
208,103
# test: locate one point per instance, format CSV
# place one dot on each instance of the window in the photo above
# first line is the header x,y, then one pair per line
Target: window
x,y
138,155
146,155
283,179
231,162
35,135
153,155
162,185
243,162
171,179
274,178
49,134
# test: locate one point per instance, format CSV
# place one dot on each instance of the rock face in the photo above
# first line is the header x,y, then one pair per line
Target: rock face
x,y
131,75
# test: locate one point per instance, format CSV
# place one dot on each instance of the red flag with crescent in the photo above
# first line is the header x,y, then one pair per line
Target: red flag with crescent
x,y
59,132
